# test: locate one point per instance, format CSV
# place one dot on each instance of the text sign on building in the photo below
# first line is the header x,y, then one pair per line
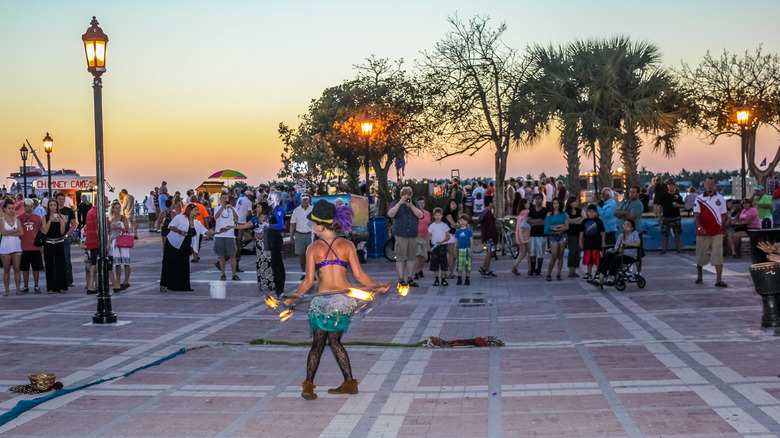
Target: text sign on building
x,y
63,184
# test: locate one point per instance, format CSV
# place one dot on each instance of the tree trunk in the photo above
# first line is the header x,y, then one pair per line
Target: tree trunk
x,y
499,200
629,151
383,191
571,150
761,175
605,163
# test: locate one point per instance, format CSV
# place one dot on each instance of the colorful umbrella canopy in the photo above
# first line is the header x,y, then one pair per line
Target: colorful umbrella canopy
x,y
228,174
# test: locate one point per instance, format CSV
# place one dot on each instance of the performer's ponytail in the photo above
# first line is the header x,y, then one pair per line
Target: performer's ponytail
x,y
342,223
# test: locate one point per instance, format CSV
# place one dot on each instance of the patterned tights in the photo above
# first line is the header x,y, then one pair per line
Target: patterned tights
x,y
339,352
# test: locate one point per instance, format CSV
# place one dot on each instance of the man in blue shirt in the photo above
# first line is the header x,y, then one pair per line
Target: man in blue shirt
x,y
606,209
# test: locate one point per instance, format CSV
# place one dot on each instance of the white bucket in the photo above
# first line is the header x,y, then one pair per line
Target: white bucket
x,y
217,290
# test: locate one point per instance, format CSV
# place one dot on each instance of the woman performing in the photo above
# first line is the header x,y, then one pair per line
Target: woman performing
x,y
329,315
176,254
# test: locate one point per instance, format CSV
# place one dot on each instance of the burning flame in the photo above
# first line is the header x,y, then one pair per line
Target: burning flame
x,y
286,315
403,289
272,302
360,294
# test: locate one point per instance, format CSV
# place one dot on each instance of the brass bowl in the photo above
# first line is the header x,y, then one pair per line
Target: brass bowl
x,y
42,381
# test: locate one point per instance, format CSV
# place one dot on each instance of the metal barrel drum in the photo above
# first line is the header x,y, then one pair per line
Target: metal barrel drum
x,y
766,280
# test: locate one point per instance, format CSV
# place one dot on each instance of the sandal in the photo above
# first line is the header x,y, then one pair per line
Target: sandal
x,y
698,281
558,277
6,294
515,271
549,278
721,284
222,278
236,278
163,289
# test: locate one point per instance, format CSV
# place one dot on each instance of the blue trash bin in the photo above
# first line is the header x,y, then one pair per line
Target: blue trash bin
x,y
377,236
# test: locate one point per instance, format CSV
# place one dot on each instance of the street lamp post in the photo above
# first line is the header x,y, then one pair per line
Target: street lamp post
x,y
743,119
95,42
24,152
48,143
367,127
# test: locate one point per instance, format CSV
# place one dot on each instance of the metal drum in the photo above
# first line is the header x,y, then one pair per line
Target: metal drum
x,y
766,280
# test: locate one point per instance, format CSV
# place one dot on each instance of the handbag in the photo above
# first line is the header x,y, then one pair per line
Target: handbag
x,y
125,241
39,240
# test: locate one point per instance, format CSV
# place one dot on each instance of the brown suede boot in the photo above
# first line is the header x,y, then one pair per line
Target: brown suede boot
x,y
308,390
347,387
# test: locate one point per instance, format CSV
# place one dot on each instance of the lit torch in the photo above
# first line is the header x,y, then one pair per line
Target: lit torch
x,y
360,294
286,315
272,302
403,289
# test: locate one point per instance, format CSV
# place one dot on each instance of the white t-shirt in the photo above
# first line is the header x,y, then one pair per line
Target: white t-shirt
x,y
68,202
150,204
549,192
479,202
224,217
243,205
180,222
302,224
438,232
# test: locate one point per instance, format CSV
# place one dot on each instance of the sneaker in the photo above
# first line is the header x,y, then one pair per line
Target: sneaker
x,y
444,282
436,282
25,290
467,282
37,289
587,277
411,283
459,282
401,283
482,270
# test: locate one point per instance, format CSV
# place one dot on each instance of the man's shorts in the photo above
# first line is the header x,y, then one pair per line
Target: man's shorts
x,y
225,246
464,260
439,258
302,241
538,246
422,247
591,257
669,224
405,248
93,256
712,245
31,258
130,217
152,216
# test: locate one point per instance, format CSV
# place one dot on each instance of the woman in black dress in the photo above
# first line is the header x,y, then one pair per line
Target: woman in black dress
x,y
176,262
53,227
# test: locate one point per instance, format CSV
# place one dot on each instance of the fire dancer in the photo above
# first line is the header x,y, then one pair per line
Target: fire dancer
x,y
329,315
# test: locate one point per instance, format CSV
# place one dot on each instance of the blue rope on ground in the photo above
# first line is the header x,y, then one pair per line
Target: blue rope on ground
x,y
25,405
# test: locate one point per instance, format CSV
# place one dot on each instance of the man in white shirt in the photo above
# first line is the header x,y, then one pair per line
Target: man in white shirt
x,y
549,190
300,231
479,201
225,242
151,212
243,207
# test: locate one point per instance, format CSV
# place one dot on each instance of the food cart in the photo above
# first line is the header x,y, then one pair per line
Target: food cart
x,y
71,185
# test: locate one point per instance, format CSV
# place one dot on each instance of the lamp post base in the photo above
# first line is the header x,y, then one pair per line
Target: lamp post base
x,y
104,319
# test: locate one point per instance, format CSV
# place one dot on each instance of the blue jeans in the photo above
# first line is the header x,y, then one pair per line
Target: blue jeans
x,y
68,265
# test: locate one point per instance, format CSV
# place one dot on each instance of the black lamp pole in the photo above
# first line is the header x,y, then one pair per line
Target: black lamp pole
x,y
95,42
48,144
24,152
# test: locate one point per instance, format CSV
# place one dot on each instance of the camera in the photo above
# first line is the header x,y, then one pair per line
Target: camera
x,y
408,200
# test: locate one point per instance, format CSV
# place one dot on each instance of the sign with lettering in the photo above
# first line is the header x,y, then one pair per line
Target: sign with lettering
x,y
63,184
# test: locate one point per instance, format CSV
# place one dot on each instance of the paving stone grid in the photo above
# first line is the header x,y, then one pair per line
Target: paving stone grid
x,y
675,359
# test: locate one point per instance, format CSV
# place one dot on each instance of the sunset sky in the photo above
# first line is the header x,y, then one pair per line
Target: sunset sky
x,y
193,87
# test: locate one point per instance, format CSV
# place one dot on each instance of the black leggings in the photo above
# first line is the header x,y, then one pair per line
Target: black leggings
x,y
612,261
339,352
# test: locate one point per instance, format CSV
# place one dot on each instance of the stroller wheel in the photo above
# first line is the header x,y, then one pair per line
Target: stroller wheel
x,y
641,282
620,285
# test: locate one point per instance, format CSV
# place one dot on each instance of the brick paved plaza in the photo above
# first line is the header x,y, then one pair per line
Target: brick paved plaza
x,y
674,359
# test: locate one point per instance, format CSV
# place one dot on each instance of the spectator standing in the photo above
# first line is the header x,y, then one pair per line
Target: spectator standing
x,y
11,245
574,212
225,241
70,227
549,190
162,196
53,227
522,233
81,211
39,209
422,238
301,231
592,239
479,198
630,208
439,234
128,210
659,188
561,192
607,208
118,225
406,215
536,217
151,212
456,191
275,240
555,226
465,238
487,226
709,215
243,209
763,205
31,254
451,214
773,190
671,203
690,199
